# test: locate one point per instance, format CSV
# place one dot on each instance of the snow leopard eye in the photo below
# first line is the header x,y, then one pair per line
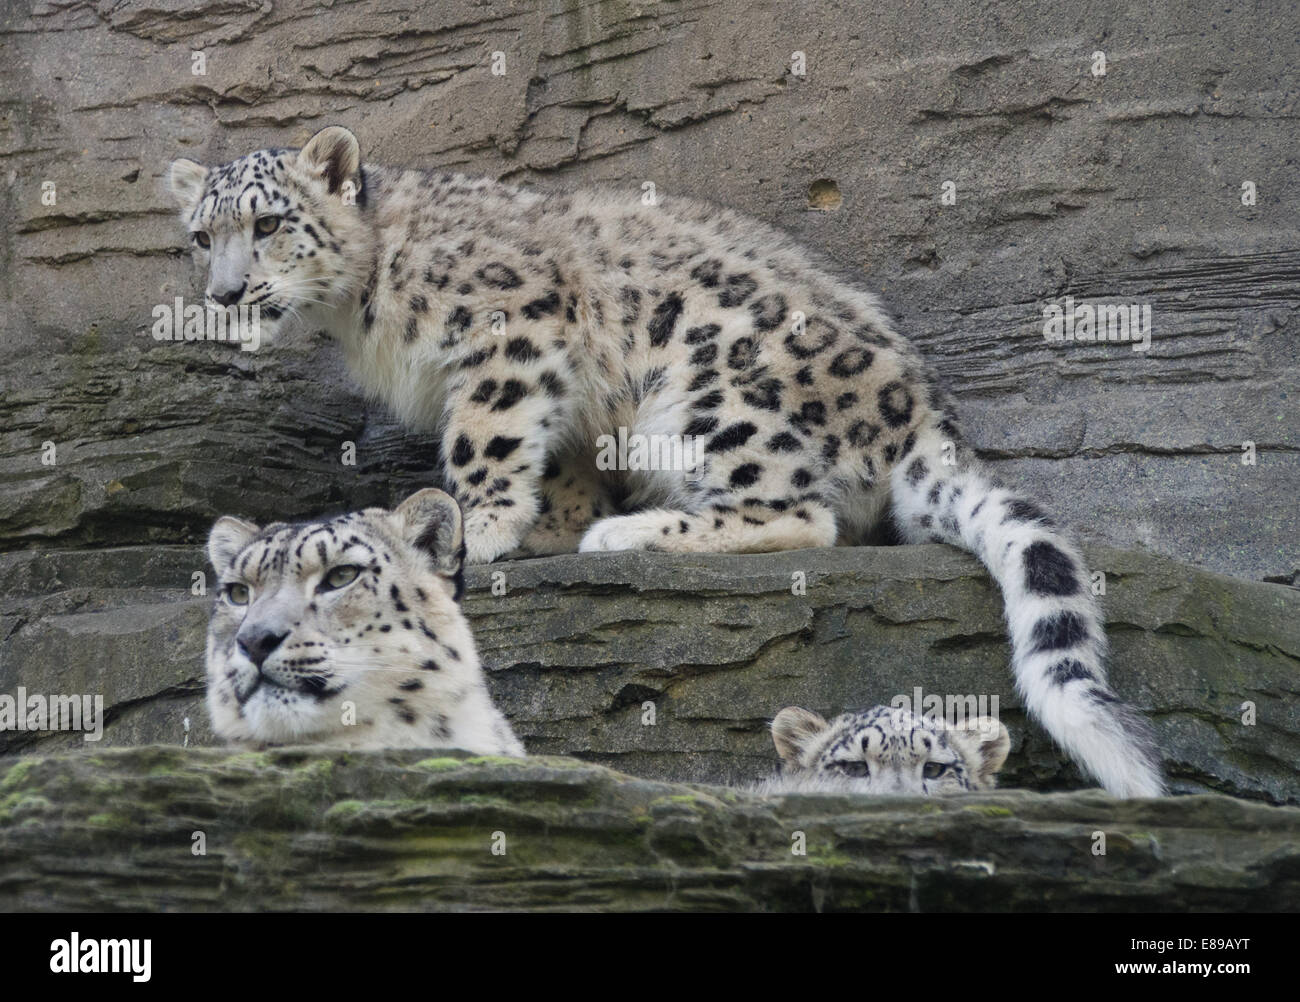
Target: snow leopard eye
x,y
236,593
202,239
339,577
933,770
266,225
853,768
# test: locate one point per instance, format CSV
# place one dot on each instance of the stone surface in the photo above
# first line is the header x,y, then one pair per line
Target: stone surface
x,y
309,830
578,646
1122,188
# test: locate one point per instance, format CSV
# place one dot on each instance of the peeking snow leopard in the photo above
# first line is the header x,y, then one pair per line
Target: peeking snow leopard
x,y
885,750
523,329
349,631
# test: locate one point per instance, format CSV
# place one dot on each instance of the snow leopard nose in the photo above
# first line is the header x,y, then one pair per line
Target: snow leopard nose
x,y
227,296
257,643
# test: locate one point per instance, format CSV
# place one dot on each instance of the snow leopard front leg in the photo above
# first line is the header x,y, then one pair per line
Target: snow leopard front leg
x,y
497,433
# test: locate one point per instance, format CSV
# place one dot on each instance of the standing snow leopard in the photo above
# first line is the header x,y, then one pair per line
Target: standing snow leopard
x,y
520,327
349,630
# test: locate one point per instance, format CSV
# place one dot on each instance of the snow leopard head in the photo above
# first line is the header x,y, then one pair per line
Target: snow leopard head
x,y
347,629
278,229
885,750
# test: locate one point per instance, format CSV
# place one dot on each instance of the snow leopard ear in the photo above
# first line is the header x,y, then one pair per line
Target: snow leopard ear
x,y
185,180
792,729
332,154
986,742
430,521
228,537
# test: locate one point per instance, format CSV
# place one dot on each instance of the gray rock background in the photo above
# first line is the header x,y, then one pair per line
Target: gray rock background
x,y
1119,188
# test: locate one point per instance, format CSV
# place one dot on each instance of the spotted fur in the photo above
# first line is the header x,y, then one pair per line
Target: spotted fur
x,y
519,327
885,750
349,631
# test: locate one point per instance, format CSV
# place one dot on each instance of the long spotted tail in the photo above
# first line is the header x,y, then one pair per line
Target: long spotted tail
x,y
1058,641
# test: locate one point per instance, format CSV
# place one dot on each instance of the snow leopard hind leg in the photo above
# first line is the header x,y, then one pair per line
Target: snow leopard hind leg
x,y
940,494
752,498
572,497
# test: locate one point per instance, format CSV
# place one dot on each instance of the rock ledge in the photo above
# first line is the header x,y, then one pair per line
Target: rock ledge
x,y
315,829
